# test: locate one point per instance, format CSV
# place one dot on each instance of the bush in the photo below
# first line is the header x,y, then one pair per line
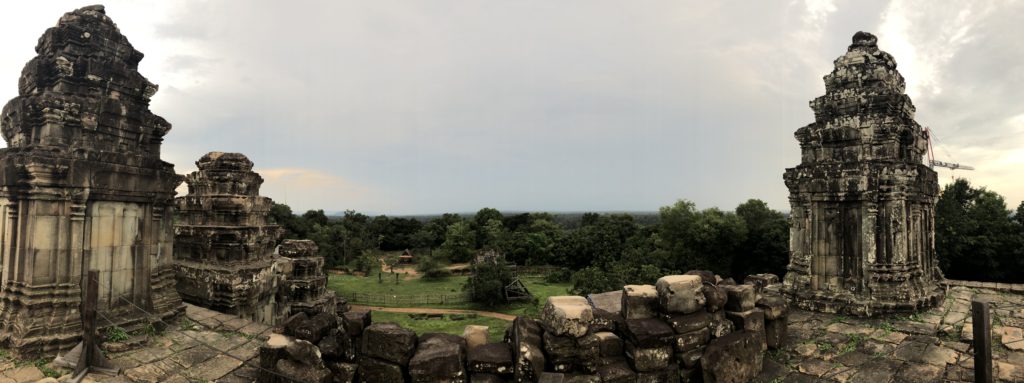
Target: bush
x,y
559,275
487,283
432,268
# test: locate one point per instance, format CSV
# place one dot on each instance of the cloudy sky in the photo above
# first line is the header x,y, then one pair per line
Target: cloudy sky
x,y
404,107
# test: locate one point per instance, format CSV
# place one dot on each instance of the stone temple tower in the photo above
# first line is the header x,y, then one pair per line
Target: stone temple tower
x,y
82,187
862,235
224,245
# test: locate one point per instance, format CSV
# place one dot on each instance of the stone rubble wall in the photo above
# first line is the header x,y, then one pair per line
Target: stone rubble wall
x,y
695,327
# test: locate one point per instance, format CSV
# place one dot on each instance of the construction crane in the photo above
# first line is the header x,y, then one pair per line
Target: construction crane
x,y
932,162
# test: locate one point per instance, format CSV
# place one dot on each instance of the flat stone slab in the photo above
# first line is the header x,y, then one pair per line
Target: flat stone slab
x,y
609,301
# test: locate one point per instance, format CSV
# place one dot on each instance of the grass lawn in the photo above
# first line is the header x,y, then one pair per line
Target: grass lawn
x,y
446,325
540,290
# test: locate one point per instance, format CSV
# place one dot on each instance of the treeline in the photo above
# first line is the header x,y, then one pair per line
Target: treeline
x,y
977,237
599,252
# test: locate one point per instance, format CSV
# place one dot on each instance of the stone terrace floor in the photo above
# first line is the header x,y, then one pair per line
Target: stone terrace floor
x,y
933,346
204,346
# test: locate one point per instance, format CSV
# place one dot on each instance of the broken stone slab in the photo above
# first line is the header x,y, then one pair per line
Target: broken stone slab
x,y
741,297
706,276
610,301
606,320
639,302
750,320
714,297
609,344
567,315
683,323
720,325
761,281
528,354
735,357
646,359
680,293
376,370
438,359
475,336
302,372
775,332
648,332
389,342
492,358
691,340
356,321
616,372
329,347
774,306
304,352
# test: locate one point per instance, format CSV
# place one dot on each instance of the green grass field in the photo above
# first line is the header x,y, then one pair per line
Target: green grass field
x,y
446,325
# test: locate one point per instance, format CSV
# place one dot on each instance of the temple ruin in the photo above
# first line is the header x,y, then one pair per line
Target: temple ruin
x,y
224,246
862,233
306,285
82,186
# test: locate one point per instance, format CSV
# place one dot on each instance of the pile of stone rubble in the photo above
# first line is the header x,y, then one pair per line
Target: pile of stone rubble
x,y
685,328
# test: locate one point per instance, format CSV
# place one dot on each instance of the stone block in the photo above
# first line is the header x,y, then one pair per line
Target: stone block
x,y
774,306
444,337
706,276
646,359
669,374
527,349
715,297
639,301
720,325
561,351
486,378
616,372
691,375
389,342
735,357
492,358
691,340
356,321
373,370
608,301
303,351
683,323
567,315
752,319
606,320
609,344
760,281
690,359
329,347
741,297
438,359
314,329
648,332
291,324
680,293
342,372
775,332
301,372
475,336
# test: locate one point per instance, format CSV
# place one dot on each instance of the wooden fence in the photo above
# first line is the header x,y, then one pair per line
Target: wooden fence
x,y
400,300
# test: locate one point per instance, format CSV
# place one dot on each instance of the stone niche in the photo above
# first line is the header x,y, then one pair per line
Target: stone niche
x,y
224,246
862,226
82,186
306,284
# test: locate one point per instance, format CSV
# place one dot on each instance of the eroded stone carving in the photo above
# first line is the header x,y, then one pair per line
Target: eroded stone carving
x,y
82,186
306,284
224,245
863,203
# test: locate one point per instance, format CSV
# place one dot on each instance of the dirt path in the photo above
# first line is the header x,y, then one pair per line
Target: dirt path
x,y
425,310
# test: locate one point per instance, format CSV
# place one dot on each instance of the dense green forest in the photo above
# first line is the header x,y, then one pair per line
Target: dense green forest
x,y
977,238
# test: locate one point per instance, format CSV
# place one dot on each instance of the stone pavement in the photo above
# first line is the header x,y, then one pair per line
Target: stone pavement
x,y
204,346
933,346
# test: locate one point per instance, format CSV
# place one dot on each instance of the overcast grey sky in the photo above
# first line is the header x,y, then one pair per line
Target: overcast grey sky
x,y
403,107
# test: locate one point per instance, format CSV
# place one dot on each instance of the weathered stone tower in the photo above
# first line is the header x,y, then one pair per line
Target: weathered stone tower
x,y
306,284
224,247
82,187
863,204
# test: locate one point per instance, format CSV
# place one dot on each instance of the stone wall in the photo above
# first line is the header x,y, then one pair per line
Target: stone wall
x,y
224,255
862,227
305,283
82,186
686,328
